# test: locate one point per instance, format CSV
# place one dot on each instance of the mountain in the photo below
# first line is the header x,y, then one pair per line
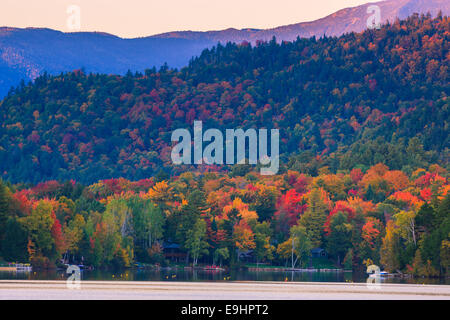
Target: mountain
x,y
27,53
336,24
339,102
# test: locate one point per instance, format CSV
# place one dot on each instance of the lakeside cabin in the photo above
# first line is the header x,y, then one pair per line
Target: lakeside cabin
x,y
318,253
173,252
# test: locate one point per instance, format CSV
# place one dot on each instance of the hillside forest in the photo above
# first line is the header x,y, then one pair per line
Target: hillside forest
x,y
363,119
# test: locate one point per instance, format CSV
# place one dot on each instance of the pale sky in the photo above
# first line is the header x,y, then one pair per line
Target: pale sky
x,y
137,18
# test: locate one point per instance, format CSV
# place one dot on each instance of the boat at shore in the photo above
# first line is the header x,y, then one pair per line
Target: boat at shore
x,y
18,267
205,268
294,269
213,268
387,274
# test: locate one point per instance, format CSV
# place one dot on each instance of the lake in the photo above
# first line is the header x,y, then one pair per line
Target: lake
x,y
205,275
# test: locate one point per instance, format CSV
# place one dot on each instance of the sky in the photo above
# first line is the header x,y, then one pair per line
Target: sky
x,y
138,18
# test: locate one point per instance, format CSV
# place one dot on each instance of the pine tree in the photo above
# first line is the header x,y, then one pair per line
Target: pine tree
x,y
314,218
4,207
14,244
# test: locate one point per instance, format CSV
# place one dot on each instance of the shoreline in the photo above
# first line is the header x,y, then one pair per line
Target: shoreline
x,y
238,290
297,269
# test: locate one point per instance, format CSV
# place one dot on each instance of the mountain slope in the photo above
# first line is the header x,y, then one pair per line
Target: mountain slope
x,y
27,53
336,24
356,100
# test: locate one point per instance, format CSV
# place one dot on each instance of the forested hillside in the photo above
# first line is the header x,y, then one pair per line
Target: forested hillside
x,y
360,99
29,52
363,118
379,216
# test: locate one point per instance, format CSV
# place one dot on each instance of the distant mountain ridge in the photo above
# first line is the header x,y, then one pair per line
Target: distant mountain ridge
x,y
27,53
343,21
380,96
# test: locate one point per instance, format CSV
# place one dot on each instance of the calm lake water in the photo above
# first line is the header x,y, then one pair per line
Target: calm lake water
x,y
204,275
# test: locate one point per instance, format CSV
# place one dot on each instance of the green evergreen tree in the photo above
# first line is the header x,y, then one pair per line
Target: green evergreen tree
x,y
339,240
4,210
314,218
14,244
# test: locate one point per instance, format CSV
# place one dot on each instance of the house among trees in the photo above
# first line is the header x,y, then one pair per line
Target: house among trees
x,y
173,252
246,256
318,253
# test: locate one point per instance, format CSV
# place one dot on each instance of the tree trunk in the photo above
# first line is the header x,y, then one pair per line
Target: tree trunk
x,y
149,239
413,231
292,254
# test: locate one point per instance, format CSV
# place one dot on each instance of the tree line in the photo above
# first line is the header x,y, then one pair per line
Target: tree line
x,y
377,216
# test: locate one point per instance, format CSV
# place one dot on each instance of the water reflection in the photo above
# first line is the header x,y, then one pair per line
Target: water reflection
x,y
208,275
